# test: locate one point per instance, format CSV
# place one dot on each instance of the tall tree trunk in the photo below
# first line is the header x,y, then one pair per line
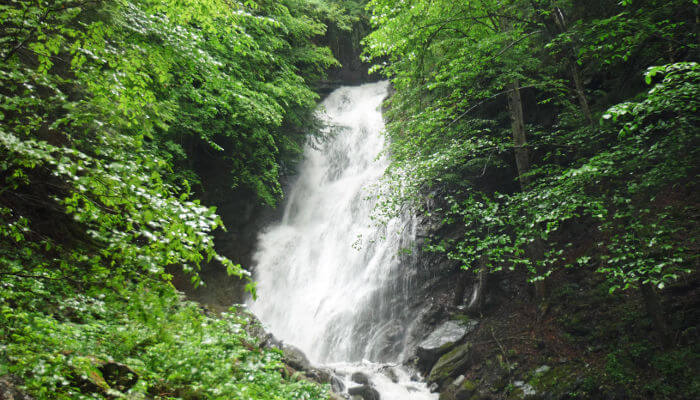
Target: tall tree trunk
x,y
655,311
560,22
522,161
580,93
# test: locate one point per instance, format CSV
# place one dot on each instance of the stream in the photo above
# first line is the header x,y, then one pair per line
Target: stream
x,y
331,281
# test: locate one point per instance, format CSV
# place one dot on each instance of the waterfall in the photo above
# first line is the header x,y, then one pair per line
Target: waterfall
x,y
331,281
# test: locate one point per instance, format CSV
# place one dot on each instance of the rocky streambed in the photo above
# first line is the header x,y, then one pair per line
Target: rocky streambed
x,y
431,371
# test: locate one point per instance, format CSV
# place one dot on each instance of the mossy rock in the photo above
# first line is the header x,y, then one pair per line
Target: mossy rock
x,y
461,389
451,364
557,380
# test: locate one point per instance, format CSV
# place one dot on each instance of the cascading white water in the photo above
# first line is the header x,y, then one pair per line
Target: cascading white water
x,y
330,281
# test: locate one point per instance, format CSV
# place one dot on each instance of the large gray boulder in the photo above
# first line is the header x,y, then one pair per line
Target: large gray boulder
x,y
442,340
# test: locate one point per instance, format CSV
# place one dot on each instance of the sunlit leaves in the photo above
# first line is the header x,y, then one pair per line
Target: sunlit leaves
x,y
101,106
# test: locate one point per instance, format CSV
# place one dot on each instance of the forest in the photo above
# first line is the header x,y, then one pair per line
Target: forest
x,y
549,149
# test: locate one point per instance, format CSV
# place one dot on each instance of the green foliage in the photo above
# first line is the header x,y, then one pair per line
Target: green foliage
x,y
105,107
453,65
670,378
97,102
175,351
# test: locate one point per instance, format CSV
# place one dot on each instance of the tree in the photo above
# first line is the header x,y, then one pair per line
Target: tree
x,y
457,66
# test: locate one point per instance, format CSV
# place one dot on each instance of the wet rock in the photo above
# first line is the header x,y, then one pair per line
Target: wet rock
x,y
451,364
295,358
389,373
482,396
459,389
388,341
364,392
442,340
269,341
360,377
320,375
9,388
337,385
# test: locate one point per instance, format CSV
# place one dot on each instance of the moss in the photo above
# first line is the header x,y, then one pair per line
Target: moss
x,y
558,379
514,394
449,364
468,385
463,318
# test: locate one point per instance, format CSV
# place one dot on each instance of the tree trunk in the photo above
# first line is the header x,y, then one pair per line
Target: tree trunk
x,y
560,22
476,305
522,160
576,73
653,306
460,288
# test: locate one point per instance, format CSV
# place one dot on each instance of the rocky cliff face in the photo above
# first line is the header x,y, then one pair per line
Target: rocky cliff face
x,y
347,49
580,342
244,217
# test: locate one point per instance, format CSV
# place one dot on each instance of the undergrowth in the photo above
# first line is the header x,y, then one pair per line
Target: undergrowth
x,y
174,350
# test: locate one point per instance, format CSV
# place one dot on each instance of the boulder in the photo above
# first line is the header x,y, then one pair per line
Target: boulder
x,y
337,385
255,329
442,340
360,377
364,392
451,364
295,358
320,375
460,389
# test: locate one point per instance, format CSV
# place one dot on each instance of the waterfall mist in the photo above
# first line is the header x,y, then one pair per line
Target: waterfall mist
x,y
331,281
